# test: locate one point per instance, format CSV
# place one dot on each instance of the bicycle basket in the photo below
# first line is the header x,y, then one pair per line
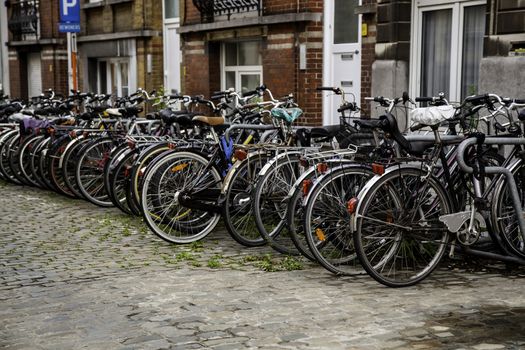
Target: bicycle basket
x,y
287,114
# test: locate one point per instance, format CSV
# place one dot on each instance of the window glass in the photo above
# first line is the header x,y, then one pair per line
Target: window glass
x,y
103,77
114,83
171,9
250,81
473,31
230,54
124,78
436,52
346,22
230,80
249,53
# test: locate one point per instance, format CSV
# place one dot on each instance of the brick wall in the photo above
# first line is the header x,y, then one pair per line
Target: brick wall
x,y
196,74
311,78
49,18
54,69
17,74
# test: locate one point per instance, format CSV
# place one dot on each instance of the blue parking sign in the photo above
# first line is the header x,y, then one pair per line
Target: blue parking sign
x,y
69,11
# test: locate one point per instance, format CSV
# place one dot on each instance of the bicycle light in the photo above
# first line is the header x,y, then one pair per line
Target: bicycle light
x,y
322,168
240,154
378,169
351,205
306,186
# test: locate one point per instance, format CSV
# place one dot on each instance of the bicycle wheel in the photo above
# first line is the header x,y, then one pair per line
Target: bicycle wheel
x,y
114,159
327,222
13,153
90,171
238,201
24,159
69,165
55,164
138,170
119,181
269,202
503,218
36,154
174,175
398,236
5,147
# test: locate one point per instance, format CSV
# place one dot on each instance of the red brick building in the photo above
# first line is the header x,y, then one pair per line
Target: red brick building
x,y
282,43
37,52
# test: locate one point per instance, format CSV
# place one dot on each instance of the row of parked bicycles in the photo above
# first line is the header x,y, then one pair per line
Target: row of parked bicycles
x,y
362,194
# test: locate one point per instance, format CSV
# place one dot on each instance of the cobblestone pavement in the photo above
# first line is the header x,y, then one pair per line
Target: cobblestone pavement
x,y
74,276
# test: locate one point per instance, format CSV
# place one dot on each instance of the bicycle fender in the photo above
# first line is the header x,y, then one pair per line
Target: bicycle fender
x,y
227,179
275,159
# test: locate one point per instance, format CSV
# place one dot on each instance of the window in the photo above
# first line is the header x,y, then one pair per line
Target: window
x,y
346,22
447,48
171,9
241,65
111,76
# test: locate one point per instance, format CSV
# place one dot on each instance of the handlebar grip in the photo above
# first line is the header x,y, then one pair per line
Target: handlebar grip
x,y
250,93
250,105
379,99
476,98
348,106
424,99
417,127
325,88
217,97
519,101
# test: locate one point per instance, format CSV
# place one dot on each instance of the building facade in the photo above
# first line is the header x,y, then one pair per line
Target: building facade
x,y
37,55
120,46
459,47
367,47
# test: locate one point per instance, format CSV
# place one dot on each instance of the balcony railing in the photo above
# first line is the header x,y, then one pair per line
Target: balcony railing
x,y
209,9
24,19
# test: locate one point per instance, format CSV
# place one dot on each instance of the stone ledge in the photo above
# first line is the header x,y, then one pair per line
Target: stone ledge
x,y
119,35
54,41
252,21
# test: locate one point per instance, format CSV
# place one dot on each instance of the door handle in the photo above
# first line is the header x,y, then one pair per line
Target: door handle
x,y
356,52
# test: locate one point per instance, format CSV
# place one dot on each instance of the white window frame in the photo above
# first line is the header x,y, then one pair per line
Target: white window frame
x,y
239,70
109,82
456,49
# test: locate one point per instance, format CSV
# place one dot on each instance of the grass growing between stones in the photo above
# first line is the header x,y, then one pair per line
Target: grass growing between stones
x,y
273,264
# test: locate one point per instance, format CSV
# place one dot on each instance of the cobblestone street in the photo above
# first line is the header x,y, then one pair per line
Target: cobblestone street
x,y
75,276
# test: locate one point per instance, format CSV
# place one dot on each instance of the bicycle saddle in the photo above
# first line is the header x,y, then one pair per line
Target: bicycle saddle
x,y
325,131
211,121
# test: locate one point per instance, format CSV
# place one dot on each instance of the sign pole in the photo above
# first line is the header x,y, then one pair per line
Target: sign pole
x,y
74,69
69,64
70,23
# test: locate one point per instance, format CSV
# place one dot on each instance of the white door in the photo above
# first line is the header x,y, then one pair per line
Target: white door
x,y
34,74
172,55
172,52
342,55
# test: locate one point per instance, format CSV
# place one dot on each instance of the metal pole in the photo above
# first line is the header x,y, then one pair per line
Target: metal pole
x,y
69,65
74,69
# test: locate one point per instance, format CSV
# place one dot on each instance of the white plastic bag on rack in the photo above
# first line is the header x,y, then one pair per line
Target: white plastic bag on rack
x,y
432,115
